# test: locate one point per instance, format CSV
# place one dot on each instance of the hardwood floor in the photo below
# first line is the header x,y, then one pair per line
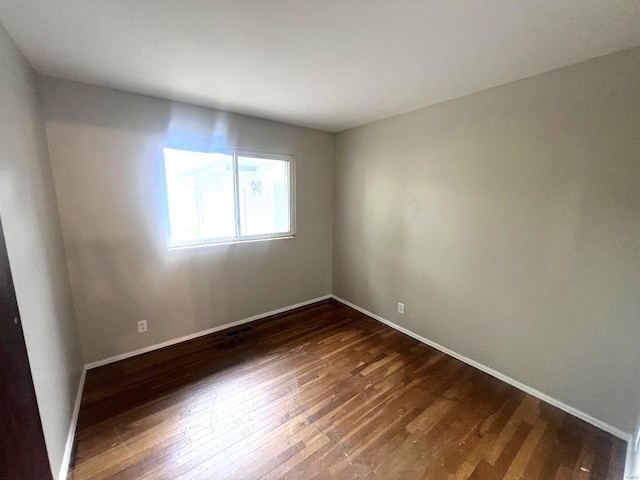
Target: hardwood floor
x,y
324,392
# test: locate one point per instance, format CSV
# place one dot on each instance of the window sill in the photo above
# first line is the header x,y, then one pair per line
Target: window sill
x,y
174,248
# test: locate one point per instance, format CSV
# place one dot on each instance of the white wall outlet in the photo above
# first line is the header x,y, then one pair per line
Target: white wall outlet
x,y
400,307
142,326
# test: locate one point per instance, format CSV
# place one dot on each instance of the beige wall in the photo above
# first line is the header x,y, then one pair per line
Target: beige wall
x,y
508,222
36,253
105,151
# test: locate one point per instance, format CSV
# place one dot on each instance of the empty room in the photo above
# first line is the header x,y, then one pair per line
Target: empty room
x,y
296,239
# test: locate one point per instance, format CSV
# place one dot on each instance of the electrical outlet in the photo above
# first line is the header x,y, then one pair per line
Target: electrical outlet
x,y
142,326
400,307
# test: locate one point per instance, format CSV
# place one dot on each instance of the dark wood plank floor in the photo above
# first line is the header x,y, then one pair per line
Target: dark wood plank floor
x,y
324,392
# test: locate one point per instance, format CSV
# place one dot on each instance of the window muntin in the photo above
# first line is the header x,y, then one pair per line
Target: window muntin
x,y
227,196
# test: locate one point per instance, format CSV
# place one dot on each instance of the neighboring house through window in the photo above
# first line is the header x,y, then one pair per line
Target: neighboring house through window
x,y
227,196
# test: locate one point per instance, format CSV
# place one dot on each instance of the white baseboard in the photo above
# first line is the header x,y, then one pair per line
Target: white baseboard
x,y
532,391
174,341
68,449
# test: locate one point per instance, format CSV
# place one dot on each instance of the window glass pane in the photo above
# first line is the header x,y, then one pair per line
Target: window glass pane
x,y
200,191
264,195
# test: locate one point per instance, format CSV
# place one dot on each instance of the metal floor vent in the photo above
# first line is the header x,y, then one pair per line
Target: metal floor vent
x,y
235,333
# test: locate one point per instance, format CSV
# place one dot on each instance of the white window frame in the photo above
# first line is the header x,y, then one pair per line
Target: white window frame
x,y
238,237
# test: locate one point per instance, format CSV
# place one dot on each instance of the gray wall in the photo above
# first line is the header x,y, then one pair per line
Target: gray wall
x,y
508,222
36,253
105,148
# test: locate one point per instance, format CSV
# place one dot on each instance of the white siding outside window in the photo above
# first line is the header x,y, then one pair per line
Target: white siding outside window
x,y
227,196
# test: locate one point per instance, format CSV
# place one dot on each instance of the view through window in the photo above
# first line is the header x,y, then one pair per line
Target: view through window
x,y
227,196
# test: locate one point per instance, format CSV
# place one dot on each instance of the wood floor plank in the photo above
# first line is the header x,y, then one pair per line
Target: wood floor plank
x,y
323,392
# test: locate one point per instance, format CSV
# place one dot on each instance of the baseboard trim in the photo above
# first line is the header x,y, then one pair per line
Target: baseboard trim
x,y
68,449
494,373
202,333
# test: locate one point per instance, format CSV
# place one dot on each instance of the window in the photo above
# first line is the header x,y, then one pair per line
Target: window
x,y
227,196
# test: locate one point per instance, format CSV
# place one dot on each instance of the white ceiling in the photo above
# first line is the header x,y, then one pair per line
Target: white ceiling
x,y
328,64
